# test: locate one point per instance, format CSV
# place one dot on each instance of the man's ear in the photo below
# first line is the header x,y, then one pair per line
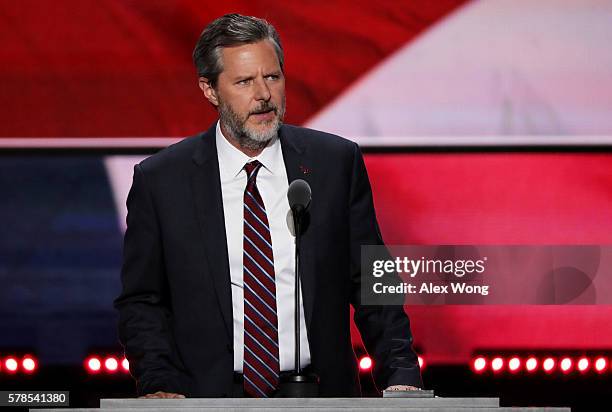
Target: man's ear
x,y
209,91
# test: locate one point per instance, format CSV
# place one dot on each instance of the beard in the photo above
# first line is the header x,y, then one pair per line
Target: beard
x,y
252,138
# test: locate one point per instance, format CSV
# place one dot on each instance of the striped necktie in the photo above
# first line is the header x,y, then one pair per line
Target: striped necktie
x,y
261,359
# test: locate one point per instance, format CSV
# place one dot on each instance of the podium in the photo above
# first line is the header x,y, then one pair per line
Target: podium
x,y
427,404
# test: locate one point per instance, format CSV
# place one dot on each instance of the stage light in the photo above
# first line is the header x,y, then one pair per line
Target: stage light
x,y
365,363
497,364
28,364
421,362
531,364
93,365
514,364
125,364
11,365
566,365
111,364
583,364
548,365
479,364
601,364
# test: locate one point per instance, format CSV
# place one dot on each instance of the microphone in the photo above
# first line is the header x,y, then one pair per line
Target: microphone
x,y
298,384
299,195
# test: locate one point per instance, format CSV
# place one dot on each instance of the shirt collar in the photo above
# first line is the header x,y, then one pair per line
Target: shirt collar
x,y
232,160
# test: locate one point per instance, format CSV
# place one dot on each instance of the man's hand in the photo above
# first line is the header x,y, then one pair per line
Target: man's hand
x,y
402,388
162,395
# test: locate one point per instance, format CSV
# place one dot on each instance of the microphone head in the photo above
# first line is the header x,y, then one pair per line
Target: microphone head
x,y
299,195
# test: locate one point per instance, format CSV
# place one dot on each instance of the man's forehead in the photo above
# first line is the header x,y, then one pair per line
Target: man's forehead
x,y
249,56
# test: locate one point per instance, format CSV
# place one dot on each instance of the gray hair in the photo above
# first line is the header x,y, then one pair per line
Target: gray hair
x,y
231,30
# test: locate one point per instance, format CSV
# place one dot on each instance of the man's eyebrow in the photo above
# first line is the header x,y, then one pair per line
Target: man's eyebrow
x,y
240,78
248,77
273,72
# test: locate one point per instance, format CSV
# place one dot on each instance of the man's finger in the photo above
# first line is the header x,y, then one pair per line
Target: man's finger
x,y
403,388
162,395
176,396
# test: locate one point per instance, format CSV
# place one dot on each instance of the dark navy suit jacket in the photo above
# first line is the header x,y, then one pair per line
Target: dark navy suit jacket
x,y
175,310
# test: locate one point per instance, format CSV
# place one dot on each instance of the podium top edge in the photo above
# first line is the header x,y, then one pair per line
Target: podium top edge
x,y
277,403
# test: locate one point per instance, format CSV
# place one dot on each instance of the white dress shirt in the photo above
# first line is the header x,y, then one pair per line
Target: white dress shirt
x,y
272,184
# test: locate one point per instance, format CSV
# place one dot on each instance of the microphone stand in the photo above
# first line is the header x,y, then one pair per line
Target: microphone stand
x,y
296,224
298,384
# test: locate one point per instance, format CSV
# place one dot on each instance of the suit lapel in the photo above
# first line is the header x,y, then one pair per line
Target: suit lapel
x,y
297,163
206,188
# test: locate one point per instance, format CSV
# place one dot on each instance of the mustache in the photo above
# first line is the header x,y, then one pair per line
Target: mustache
x,y
264,108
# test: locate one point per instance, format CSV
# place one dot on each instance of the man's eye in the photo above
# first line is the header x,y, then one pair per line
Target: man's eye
x,y
243,82
273,77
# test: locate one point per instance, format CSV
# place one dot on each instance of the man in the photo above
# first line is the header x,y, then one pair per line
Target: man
x,y
207,308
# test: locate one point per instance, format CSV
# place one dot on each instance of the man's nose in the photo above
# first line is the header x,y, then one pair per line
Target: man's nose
x,y
262,91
